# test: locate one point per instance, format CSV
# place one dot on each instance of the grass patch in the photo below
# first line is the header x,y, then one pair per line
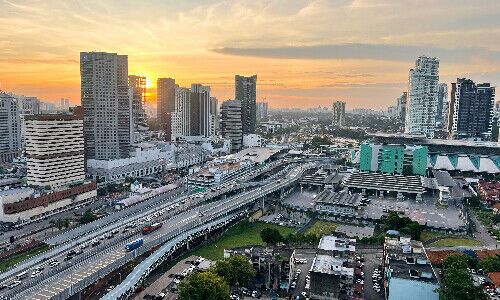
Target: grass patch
x,y
321,228
441,206
451,242
241,234
428,235
9,262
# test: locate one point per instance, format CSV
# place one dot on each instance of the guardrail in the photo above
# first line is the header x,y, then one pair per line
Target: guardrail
x,y
145,267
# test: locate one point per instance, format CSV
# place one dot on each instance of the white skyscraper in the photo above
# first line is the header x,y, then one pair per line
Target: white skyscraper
x,y
422,102
181,115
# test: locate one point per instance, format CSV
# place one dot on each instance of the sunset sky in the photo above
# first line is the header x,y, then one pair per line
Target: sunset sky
x,y
306,53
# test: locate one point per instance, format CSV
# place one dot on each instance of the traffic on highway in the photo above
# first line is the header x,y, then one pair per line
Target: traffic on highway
x,y
89,254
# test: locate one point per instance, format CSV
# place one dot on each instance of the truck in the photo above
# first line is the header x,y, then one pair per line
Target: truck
x,y
134,244
151,228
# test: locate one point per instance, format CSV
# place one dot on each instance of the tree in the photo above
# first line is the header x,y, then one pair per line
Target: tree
x,y
236,270
404,225
88,217
495,219
474,201
60,223
317,141
458,283
490,264
271,236
203,286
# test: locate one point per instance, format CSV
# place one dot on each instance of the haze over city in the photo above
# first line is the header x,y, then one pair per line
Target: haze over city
x,y
306,53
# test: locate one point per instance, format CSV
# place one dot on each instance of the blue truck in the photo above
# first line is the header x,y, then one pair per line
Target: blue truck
x,y
134,244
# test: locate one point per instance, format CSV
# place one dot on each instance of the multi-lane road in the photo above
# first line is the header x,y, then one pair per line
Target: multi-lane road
x,y
176,210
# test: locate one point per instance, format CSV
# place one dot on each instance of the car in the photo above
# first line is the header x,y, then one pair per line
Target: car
x,y
303,294
68,258
54,264
95,242
14,284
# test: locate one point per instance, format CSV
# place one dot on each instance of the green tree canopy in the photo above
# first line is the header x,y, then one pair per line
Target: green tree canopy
x,y
458,282
88,217
317,141
61,223
236,270
490,264
271,236
404,225
203,286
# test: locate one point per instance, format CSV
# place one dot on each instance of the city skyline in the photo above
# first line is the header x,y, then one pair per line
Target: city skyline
x,y
302,56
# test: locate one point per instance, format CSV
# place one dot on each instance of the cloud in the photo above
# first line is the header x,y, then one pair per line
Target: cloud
x,y
364,51
39,61
365,85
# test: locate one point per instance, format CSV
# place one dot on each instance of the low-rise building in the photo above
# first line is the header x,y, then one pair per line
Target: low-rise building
x,y
333,269
217,172
252,140
331,278
268,263
339,203
408,273
215,145
271,126
146,160
337,246
28,203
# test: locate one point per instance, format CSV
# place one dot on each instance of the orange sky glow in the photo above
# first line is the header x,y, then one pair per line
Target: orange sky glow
x,y
305,53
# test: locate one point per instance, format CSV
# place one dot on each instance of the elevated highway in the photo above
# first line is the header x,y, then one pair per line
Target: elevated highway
x,y
178,217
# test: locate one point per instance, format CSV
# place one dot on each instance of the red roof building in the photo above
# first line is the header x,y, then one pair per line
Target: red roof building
x,y
482,254
495,277
489,191
437,257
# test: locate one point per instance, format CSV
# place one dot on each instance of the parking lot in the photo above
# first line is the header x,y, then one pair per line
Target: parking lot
x,y
425,213
302,198
300,282
371,262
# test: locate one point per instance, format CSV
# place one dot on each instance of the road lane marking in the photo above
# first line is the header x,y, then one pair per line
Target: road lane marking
x,y
53,293
43,295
